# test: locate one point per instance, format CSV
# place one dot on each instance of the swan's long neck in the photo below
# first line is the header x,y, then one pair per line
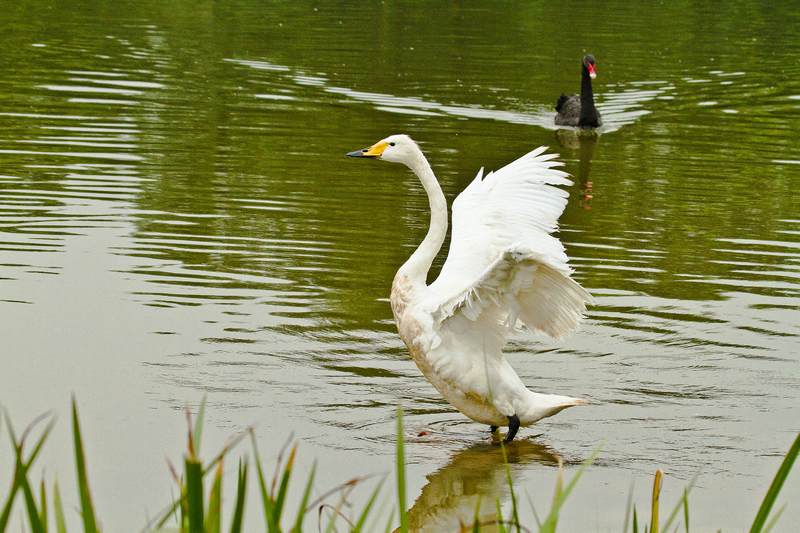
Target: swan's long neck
x,y
417,266
588,111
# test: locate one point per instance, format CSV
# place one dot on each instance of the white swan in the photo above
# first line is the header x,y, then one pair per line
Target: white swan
x,y
503,266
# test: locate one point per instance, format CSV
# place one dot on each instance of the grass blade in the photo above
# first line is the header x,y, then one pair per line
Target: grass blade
x,y
12,493
401,474
514,511
34,517
362,518
213,518
561,495
550,523
21,473
194,495
183,502
654,503
170,512
286,476
197,431
5,514
501,528
476,517
533,510
628,508
774,519
775,487
301,511
241,493
336,513
635,521
58,508
388,527
39,443
87,508
43,503
266,498
683,502
686,509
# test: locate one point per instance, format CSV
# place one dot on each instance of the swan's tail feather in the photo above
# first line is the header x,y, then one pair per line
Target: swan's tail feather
x,y
544,405
561,101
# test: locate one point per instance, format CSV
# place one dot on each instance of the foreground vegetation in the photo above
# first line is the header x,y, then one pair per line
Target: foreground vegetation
x,y
197,508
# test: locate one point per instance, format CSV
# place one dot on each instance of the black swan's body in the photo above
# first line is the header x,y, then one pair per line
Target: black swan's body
x,y
580,110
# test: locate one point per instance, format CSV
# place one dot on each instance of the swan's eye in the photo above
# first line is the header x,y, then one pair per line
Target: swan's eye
x,y
391,144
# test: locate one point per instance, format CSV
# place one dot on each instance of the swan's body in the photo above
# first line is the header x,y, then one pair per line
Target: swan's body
x,y
580,111
503,266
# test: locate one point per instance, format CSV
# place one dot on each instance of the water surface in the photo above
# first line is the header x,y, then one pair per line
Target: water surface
x,y
177,219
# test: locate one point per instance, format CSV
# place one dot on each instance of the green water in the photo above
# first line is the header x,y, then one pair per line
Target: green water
x,y
177,219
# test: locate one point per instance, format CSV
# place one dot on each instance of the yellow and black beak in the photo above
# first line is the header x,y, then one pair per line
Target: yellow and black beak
x,y
373,151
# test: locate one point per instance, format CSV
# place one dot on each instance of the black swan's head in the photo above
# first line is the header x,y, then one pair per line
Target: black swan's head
x,y
588,65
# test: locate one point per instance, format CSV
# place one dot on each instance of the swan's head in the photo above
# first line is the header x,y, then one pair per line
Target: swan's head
x,y
396,148
588,64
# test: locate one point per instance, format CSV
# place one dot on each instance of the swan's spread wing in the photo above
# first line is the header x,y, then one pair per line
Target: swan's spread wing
x,y
520,284
502,257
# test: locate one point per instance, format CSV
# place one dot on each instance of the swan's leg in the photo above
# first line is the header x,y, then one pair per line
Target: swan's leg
x,y
513,426
492,429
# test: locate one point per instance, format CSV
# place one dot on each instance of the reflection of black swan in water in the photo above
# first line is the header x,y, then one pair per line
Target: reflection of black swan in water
x,y
580,111
584,141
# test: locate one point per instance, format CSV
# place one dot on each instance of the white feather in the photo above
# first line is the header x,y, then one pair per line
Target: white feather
x,y
503,266
501,249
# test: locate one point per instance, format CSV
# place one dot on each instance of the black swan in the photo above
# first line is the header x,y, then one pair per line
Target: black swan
x,y
580,111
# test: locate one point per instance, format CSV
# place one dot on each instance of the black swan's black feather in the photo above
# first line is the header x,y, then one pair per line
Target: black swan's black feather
x,y
580,110
561,101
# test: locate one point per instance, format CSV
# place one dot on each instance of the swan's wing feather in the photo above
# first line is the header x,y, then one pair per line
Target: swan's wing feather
x,y
502,255
520,284
568,110
517,204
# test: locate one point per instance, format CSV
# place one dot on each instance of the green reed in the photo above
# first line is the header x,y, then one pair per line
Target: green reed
x,y
198,506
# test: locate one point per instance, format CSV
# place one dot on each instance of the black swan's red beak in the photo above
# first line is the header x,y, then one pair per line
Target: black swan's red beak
x,y
592,73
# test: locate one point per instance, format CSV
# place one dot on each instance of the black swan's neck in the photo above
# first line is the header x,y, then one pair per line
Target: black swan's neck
x,y
588,116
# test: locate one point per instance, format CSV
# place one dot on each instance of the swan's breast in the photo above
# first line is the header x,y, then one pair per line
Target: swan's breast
x,y
471,404
400,297
442,366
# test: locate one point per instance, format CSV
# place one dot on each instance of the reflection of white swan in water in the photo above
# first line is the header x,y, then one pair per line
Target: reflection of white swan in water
x,y
503,266
477,472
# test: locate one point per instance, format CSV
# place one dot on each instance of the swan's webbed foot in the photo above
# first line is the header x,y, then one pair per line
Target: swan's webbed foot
x,y
513,426
492,429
